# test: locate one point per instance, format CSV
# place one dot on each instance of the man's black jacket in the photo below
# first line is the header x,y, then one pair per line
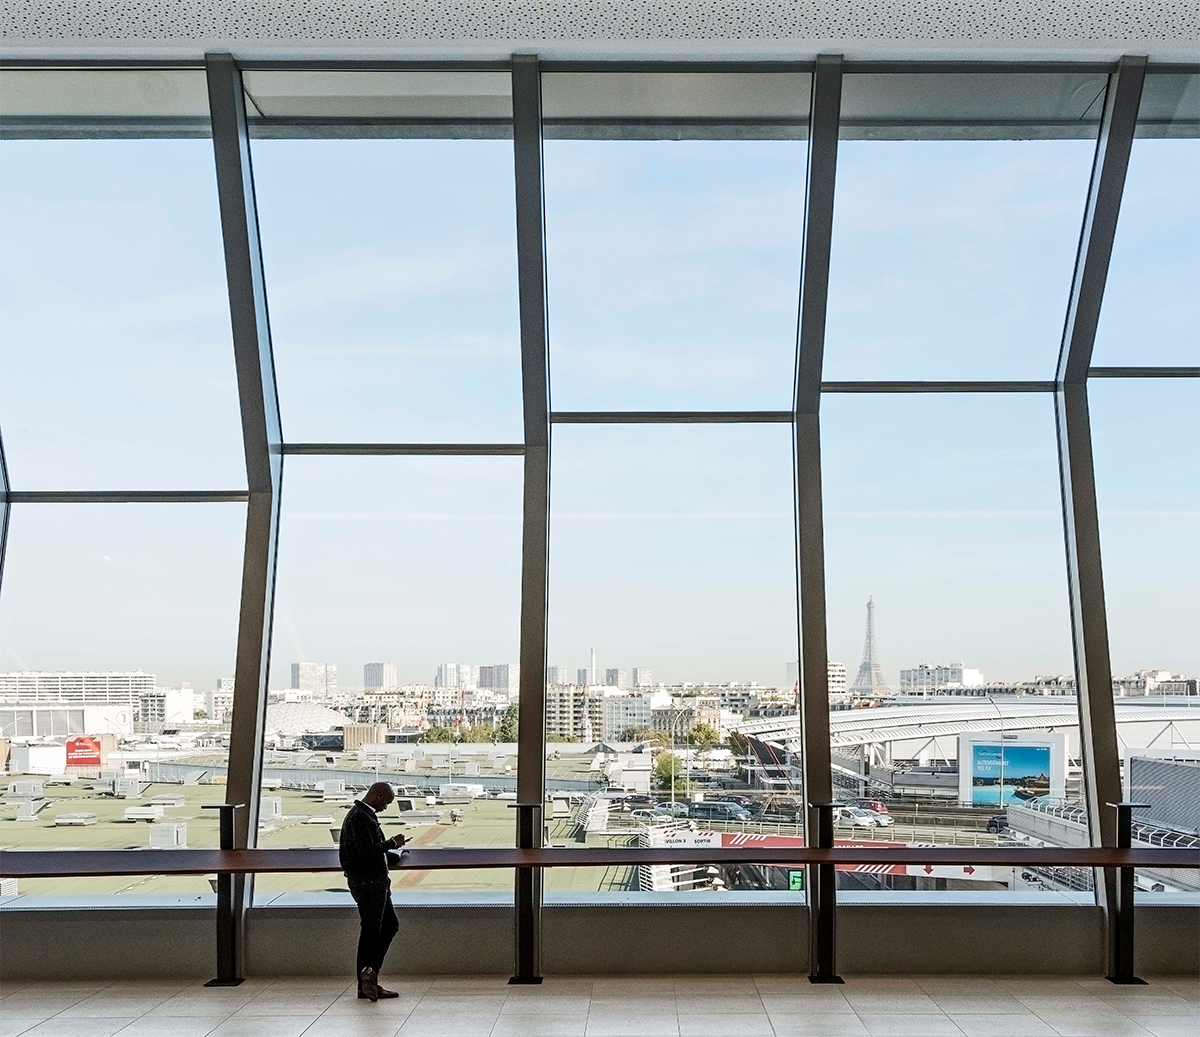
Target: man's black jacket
x,y
362,848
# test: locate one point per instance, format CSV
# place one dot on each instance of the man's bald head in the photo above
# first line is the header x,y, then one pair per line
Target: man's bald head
x,y
379,795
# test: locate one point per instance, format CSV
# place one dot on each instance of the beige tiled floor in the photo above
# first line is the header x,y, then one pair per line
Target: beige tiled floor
x,y
609,1006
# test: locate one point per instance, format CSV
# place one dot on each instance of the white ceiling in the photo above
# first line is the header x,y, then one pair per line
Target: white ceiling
x,y
1166,30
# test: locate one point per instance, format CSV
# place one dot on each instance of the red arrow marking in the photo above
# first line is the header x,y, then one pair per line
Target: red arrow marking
x,y
969,869
928,869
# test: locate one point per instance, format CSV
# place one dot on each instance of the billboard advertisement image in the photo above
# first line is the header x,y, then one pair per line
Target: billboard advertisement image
x,y
1001,774
83,751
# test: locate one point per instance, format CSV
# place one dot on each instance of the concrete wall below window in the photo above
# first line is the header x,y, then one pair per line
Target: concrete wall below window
x,y
922,936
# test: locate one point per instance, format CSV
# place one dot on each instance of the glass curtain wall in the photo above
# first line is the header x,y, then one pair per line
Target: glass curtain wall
x,y
956,224
386,211
674,211
118,621
1148,472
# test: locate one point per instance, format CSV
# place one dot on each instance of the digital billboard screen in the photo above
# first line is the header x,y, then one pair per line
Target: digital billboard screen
x,y
1013,771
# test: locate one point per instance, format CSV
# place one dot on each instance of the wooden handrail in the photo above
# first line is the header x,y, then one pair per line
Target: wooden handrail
x,y
28,864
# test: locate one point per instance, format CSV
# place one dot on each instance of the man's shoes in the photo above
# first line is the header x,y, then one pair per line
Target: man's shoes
x,y
385,994
368,984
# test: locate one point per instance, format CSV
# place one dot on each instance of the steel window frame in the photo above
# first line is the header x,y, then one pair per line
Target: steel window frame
x,y
1081,526
265,447
262,437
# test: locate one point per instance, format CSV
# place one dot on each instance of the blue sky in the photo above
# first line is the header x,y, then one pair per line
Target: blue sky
x,y
673,270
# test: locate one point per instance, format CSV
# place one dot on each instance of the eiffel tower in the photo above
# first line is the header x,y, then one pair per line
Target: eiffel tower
x,y
870,674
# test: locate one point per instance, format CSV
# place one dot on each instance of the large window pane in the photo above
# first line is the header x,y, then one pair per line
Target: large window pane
x,y
118,626
956,222
390,258
672,617
1147,490
394,656
117,355
1151,312
942,525
674,206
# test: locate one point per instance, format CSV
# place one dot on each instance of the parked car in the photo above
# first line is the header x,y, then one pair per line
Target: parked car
x,y
883,820
870,803
999,823
854,817
652,817
639,801
706,811
668,809
733,797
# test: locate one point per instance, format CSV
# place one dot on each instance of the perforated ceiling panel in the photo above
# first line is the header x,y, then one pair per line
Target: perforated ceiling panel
x,y
1162,27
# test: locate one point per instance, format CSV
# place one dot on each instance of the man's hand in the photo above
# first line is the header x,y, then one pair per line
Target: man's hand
x,y
398,840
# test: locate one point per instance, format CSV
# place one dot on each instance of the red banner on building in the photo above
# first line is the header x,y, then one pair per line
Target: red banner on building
x,y
83,751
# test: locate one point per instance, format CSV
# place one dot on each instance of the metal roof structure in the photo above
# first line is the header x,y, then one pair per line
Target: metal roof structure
x,y
898,723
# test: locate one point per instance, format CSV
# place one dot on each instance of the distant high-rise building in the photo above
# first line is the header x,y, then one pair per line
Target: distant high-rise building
x,y
508,678
219,704
642,677
836,672
593,677
924,678
379,676
319,679
614,678
168,706
464,676
487,677
582,676
869,680
556,675
625,713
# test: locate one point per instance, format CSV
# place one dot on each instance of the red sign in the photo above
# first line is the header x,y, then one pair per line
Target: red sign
x,y
83,751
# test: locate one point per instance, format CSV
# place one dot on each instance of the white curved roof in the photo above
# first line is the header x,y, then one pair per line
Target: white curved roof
x,y
300,718
925,720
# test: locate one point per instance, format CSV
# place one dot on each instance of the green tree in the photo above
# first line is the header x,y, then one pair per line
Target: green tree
x,y
668,771
738,744
507,732
200,714
704,735
561,738
438,734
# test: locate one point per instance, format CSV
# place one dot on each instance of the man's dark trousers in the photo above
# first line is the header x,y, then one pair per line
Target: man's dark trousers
x,y
378,923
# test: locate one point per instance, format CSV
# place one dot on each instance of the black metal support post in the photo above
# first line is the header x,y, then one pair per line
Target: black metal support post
x,y
1081,526
528,913
262,439
229,936
822,893
810,528
1122,921
535,390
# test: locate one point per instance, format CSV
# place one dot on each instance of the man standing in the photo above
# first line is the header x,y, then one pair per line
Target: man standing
x,y
362,850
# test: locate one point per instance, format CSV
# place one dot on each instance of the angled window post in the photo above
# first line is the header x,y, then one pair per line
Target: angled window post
x,y
1085,581
535,383
262,437
810,533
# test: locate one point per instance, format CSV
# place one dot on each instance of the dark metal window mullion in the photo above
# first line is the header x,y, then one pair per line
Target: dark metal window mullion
x,y
535,388
816,761
262,437
1085,581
